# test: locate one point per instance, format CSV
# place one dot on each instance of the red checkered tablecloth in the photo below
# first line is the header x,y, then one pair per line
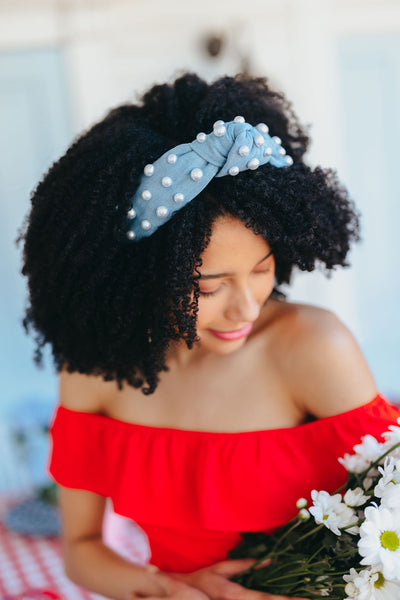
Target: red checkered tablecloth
x,y
36,563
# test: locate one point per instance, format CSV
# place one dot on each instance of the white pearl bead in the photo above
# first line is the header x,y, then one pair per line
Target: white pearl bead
x,y
262,127
166,181
179,197
253,164
220,131
145,224
218,124
196,174
172,158
259,140
277,139
162,211
239,119
149,170
131,235
201,137
131,213
244,150
233,171
268,151
146,195
289,160
282,151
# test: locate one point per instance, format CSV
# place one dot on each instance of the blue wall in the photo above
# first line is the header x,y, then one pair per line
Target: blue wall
x,y
369,70
34,131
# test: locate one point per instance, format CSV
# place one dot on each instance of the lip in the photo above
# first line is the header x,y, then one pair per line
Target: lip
x,y
236,334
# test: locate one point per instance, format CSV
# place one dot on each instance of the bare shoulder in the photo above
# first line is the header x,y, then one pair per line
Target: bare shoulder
x,y
321,361
86,393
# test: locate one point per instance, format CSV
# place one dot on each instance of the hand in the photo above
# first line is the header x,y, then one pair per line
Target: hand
x,y
171,586
214,582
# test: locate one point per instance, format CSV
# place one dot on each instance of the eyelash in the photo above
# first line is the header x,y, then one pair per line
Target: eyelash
x,y
217,290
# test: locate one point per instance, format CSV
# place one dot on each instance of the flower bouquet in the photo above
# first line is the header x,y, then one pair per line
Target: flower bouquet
x,y
346,546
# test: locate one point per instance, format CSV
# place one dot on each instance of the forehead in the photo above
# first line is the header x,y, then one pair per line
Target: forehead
x,y
231,243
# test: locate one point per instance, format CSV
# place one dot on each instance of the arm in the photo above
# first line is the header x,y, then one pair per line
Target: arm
x,y
88,561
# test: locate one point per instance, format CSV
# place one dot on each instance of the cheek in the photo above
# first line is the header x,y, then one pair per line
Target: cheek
x,y
262,286
268,285
209,309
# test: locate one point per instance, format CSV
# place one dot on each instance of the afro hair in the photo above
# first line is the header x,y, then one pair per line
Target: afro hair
x,y
95,297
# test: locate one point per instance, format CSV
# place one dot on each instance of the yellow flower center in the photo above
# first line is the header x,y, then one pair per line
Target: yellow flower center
x,y
380,581
390,540
325,517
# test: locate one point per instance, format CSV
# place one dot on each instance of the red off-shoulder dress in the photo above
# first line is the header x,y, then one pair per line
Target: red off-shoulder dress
x,y
193,492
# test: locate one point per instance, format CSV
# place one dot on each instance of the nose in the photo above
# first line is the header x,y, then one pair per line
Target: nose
x,y
243,306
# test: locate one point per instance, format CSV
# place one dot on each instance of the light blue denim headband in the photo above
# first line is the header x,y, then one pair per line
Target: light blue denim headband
x,y
183,172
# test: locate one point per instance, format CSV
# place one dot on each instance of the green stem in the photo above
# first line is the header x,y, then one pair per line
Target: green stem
x,y
303,537
349,553
337,557
315,553
341,488
279,541
298,574
271,553
378,460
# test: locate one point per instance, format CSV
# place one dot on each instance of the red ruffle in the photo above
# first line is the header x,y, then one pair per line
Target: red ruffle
x,y
194,491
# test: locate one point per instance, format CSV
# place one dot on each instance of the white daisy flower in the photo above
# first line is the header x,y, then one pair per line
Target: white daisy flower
x,y
332,512
370,448
354,463
388,486
393,436
351,588
355,497
364,454
370,584
380,540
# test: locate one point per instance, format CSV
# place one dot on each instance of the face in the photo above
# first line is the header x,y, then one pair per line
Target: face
x,y
237,277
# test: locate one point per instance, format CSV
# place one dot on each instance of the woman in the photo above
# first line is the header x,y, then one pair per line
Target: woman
x,y
191,392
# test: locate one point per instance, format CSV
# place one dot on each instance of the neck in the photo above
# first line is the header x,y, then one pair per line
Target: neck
x,y
180,356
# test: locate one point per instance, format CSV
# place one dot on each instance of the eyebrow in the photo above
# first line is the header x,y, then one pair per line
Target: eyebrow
x,y
217,275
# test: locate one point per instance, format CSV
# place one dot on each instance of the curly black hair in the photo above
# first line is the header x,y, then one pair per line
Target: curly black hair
x,y
111,307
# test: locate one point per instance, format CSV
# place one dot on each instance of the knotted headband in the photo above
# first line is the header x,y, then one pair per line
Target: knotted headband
x,y
180,174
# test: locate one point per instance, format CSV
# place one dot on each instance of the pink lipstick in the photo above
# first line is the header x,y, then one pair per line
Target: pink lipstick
x,y
236,334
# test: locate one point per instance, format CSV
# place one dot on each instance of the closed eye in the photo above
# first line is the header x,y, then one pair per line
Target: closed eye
x,y
208,293
217,290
